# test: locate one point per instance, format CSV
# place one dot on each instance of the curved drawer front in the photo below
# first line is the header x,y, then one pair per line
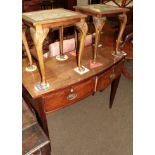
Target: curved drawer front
x,y
69,95
106,78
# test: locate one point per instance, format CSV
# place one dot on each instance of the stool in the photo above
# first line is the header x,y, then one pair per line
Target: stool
x,y
45,4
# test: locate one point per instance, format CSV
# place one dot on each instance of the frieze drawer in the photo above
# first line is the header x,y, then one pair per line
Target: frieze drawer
x,y
106,78
69,95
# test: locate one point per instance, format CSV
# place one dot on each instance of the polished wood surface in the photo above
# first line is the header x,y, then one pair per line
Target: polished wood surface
x,y
28,119
67,86
34,140
62,74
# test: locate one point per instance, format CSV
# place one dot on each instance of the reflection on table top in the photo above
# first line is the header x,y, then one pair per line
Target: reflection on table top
x,y
61,74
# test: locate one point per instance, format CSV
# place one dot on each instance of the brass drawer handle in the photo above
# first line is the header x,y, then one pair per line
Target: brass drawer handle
x,y
112,76
72,95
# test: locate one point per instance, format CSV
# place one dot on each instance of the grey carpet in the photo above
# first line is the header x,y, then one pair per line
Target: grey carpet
x,y
89,127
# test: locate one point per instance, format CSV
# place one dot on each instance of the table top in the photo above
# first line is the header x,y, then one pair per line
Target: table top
x,y
101,9
51,16
61,74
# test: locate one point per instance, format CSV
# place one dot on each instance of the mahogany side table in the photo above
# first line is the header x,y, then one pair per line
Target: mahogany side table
x,y
69,87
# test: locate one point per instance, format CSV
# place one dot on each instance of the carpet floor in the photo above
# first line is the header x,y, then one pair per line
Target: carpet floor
x,y
89,127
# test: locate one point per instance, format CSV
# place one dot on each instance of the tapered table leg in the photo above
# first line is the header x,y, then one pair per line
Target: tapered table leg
x,y
114,86
123,21
98,23
38,35
30,67
83,29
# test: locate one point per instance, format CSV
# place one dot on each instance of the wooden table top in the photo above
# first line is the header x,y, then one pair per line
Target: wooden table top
x,y
100,9
61,74
51,16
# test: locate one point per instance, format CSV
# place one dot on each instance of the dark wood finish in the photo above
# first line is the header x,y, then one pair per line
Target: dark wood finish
x,y
67,4
31,5
28,119
67,86
37,106
106,78
34,140
69,95
129,56
114,87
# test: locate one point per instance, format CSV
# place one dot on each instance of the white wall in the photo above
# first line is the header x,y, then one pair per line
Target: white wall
x,y
82,2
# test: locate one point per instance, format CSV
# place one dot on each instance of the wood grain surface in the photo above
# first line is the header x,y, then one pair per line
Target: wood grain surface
x,y
61,74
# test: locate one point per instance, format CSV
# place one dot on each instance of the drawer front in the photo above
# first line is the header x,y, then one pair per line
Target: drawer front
x,y
106,78
70,95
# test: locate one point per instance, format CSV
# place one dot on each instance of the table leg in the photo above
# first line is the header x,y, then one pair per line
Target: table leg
x,y
38,35
61,40
62,56
114,86
76,39
98,23
30,67
82,27
123,21
42,119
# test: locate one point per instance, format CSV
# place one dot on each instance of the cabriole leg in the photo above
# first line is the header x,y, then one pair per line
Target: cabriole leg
x,y
123,21
98,23
30,67
83,29
38,35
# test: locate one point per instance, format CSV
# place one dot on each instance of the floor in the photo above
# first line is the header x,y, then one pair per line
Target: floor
x,y
91,128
